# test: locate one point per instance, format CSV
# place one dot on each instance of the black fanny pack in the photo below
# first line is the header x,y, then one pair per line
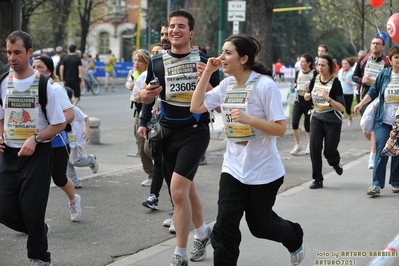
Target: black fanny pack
x,y
156,137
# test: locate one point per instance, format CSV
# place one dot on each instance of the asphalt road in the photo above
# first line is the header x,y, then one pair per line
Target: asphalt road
x,y
114,223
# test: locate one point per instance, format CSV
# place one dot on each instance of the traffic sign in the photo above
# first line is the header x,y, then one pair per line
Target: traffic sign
x,y
235,15
236,27
236,11
236,6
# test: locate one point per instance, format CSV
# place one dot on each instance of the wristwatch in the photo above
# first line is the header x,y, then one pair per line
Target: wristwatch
x,y
37,138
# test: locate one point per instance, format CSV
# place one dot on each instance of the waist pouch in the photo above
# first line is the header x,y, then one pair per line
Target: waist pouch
x,y
156,137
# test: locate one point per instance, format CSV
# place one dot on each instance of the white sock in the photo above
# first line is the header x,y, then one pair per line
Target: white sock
x,y
72,201
372,156
182,252
200,233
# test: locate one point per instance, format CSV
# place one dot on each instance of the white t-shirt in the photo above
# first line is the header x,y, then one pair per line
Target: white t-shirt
x,y
62,95
259,162
77,127
56,59
54,111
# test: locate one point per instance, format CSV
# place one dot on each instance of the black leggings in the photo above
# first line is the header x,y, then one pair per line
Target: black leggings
x,y
297,112
60,163
348,103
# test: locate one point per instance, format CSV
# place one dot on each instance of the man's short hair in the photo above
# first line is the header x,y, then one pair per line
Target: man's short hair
x,y
21,35
379,37
72,48
324,46
58,49
183,13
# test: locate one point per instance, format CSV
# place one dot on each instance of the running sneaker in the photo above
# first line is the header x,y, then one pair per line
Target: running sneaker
x,y
151,202
78,185
41,263
48,230
172,229
94,165
147,182
338,169
296,150
374,191
168,220
371,164
298,256
114,90
75,209
395,189
350,122
307,149
199,250
203,161
178,260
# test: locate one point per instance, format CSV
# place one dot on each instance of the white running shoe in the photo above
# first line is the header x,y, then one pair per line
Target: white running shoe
x,y
296,150
168,221
146,183
307,149
75,209
172,229
371,164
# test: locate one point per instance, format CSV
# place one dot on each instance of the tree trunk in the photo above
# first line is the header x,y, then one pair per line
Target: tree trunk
x,y
85,21
261,12
63,9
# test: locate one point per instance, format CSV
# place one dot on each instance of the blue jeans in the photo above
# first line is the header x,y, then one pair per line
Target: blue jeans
x,y
380,162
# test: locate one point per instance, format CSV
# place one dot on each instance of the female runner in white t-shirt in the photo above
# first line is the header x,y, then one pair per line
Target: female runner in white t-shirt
x,y
252,170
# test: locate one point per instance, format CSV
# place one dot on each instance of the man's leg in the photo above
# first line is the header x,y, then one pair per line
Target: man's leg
x,y
180,188
113,81
106,81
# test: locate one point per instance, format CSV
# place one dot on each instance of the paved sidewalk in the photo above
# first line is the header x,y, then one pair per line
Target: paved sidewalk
x,y
339,222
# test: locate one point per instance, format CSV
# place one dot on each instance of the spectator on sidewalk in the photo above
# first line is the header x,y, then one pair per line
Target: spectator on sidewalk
x,y
278,69
141,60
110,71
72,73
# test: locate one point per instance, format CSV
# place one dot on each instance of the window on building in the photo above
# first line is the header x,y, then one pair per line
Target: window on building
x,y
116,2
104,43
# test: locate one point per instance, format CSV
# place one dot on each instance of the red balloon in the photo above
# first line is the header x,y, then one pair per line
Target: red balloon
x,y
376,3
393,27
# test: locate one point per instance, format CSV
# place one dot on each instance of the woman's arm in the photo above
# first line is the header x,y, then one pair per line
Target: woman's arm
x,y
197,101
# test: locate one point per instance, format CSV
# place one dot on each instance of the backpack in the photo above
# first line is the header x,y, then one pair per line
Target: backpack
x,y
42,91
366,57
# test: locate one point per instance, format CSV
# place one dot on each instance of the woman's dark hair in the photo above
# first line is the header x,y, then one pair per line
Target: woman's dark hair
x,y
330,62
247,45
309,59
